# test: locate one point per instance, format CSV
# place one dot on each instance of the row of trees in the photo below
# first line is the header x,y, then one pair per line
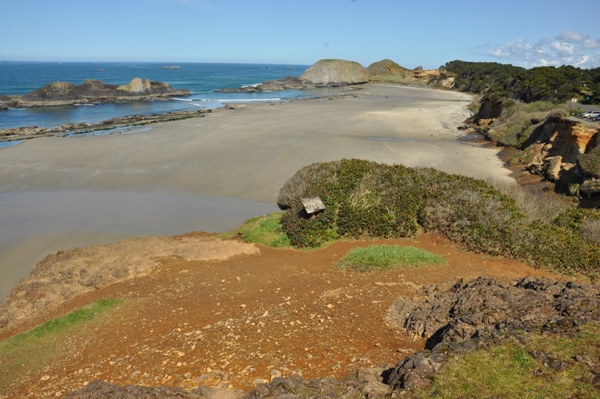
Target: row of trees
x,y
553,84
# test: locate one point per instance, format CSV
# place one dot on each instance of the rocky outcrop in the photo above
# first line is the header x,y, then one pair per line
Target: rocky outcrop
x,y
489,109
84,127
459,318
325,73
421,73
565,152
287,83
64,275
362,383
91,91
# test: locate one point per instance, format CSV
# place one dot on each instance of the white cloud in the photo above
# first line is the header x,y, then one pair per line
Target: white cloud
x,y
570,36
566,48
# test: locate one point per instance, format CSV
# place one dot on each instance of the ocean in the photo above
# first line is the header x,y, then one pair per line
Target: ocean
x,y
202,79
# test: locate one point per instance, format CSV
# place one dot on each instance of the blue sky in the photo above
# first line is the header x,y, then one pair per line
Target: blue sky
x,y
412,33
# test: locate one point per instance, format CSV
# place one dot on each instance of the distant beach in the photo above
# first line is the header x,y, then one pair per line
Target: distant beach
x,y
185,175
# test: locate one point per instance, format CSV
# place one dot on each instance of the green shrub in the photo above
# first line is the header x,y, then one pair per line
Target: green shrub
x,y
590,163
387,257
370,200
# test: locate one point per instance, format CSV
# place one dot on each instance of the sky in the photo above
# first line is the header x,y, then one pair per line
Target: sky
x,y
412,33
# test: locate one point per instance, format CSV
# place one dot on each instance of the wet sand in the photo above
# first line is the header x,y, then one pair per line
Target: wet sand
x,y
56,193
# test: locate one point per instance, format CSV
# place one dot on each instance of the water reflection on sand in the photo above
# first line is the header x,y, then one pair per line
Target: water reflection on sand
x,y
35,224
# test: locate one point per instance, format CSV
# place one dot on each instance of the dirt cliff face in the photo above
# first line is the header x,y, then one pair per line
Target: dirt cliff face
x,y
561,150
568,138
335,73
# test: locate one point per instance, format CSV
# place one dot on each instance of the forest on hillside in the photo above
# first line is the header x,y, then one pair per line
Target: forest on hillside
x,y
545,83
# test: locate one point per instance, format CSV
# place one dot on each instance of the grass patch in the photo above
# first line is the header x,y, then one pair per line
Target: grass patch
x,y
46,343
508,371
265,230
388,257
59,324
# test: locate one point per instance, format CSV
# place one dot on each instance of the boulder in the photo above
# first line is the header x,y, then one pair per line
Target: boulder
x,y
553,167
135,86
335,73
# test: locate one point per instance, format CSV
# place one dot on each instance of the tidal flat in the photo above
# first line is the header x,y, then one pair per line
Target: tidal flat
x,y
214,172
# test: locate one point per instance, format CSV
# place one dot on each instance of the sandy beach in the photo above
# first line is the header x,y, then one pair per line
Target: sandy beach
x,y
212,173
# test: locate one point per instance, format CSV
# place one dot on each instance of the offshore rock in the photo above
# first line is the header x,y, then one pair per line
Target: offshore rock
x,y
287,83
82,127
90,92
335,73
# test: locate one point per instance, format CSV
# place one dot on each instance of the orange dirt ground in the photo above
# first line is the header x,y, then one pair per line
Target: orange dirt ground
x,y
229,323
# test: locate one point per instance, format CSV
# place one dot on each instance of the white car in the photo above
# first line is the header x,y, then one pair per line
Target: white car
x,y
590,114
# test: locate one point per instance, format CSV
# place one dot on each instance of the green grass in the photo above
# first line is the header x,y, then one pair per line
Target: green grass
x,y
508,371
60,324
47,343
388,257
265,230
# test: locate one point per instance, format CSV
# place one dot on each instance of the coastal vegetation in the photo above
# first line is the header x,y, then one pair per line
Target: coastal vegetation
x,y
508,369
545,83
518,120
366,200
265,230
387,257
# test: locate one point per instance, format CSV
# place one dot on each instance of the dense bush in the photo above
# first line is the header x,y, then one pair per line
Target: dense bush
x,y
546,83
590,163
366,200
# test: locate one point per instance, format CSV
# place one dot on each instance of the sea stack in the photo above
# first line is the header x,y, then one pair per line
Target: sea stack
x,y
335,73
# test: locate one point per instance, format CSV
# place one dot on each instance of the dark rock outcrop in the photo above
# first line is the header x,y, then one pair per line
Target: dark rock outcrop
x,y
485,312
92,91
328,73
83,127
287,83
489,109
367,383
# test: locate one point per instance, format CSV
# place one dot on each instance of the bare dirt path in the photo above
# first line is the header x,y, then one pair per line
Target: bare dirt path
x,y
229,323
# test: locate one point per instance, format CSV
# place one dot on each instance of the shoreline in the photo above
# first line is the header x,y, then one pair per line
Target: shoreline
x,y
241,153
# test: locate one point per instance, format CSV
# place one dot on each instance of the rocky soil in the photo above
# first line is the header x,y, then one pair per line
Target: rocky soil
x,y
455,319
238,323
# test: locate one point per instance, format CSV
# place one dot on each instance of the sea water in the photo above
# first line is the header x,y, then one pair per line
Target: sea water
x,y
202,79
